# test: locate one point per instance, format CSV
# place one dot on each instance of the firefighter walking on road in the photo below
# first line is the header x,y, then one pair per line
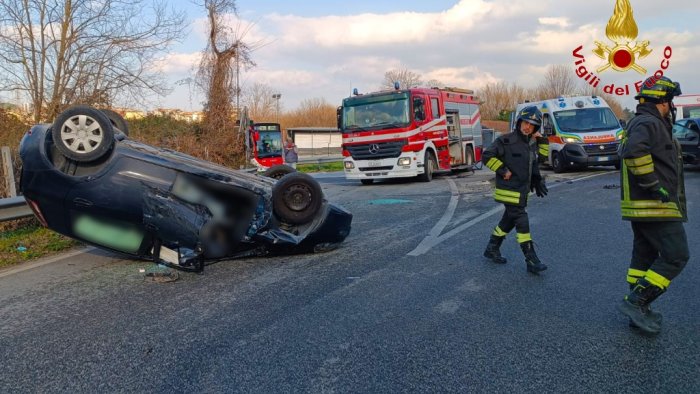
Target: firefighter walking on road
x,y
653,199
514,158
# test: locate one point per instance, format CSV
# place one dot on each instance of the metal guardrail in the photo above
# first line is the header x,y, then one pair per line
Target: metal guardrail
x,y
319,159
14,208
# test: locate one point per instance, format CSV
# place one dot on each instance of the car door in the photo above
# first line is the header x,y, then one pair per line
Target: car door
x,y
106,208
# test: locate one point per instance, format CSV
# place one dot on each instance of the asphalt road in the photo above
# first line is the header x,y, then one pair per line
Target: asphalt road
x,y
407,304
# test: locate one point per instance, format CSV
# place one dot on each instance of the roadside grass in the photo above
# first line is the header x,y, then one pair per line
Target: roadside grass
x,y
25,239
321,167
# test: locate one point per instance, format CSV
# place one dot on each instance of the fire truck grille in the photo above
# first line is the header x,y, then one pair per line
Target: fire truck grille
x,y
376,168
375,151
600,149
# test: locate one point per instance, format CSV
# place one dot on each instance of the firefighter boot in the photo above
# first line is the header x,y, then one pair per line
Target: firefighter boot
x,y
493,251
655,316
534,265
636,302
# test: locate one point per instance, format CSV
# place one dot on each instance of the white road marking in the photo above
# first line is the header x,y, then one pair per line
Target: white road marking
x,y
428,242
434,238
443,222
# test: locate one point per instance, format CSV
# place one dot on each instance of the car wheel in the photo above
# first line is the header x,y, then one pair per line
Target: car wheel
x,y
557,162
367,181
117,120
296,198
617,165
429,165
82,133
278,171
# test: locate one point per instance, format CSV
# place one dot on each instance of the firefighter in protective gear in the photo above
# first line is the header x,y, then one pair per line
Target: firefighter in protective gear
x,y
514,158
653,199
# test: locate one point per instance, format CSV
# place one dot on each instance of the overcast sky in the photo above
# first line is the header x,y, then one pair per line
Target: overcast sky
x,y
324,48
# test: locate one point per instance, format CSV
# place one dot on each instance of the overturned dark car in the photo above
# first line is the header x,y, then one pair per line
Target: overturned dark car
x,y
84,178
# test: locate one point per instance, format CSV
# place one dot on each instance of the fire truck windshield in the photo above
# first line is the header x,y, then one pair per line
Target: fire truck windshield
x,y
269,144
376,112
586,120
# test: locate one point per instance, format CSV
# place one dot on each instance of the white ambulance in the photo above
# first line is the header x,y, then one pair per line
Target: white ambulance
x,y
582,131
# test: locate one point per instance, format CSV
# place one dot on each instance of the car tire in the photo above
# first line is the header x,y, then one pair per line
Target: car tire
x,y
117,121
367,181
617,165
558,163
278,171
296,198
429,165
83,133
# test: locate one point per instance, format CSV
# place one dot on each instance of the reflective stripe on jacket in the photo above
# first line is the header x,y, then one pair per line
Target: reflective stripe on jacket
x,y
516,153
651,158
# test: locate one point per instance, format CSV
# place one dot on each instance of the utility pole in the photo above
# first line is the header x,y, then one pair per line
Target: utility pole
x,y
238,87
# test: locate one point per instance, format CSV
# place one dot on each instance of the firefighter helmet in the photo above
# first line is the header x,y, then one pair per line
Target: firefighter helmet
x,y
530,115
658,90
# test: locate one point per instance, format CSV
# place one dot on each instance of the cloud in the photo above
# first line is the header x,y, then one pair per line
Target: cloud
x,y
177,63
467,44
370,65
374,30
560,22
464,77
290,78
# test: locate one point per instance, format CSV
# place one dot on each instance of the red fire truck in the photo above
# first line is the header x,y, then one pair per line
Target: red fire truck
x,y
409,132
267,145
263,144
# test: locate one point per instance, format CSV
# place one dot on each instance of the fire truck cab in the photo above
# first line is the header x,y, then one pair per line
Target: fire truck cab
x,y
409,132
582,131
264,143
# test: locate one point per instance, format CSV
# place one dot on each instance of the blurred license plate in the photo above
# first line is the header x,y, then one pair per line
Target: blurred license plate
x,y
375,163
603,158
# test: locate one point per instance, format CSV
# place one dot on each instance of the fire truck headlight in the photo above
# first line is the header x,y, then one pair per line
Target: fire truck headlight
x,y
349,165
404,161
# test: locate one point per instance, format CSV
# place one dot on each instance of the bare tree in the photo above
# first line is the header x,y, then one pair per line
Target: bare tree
x,y
217,76
314,112
559,80
405,77
61,52
261,105
499,98
435,83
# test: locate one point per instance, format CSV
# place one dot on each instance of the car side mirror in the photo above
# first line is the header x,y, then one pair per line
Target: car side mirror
x,y
418,109
339,117
548,129
623,123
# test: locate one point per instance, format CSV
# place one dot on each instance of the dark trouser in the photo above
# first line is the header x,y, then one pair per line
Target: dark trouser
x,y
659,253
514,216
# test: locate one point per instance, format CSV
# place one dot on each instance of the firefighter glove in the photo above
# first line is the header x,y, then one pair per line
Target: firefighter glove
x,y
538,186
541,188
661,194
